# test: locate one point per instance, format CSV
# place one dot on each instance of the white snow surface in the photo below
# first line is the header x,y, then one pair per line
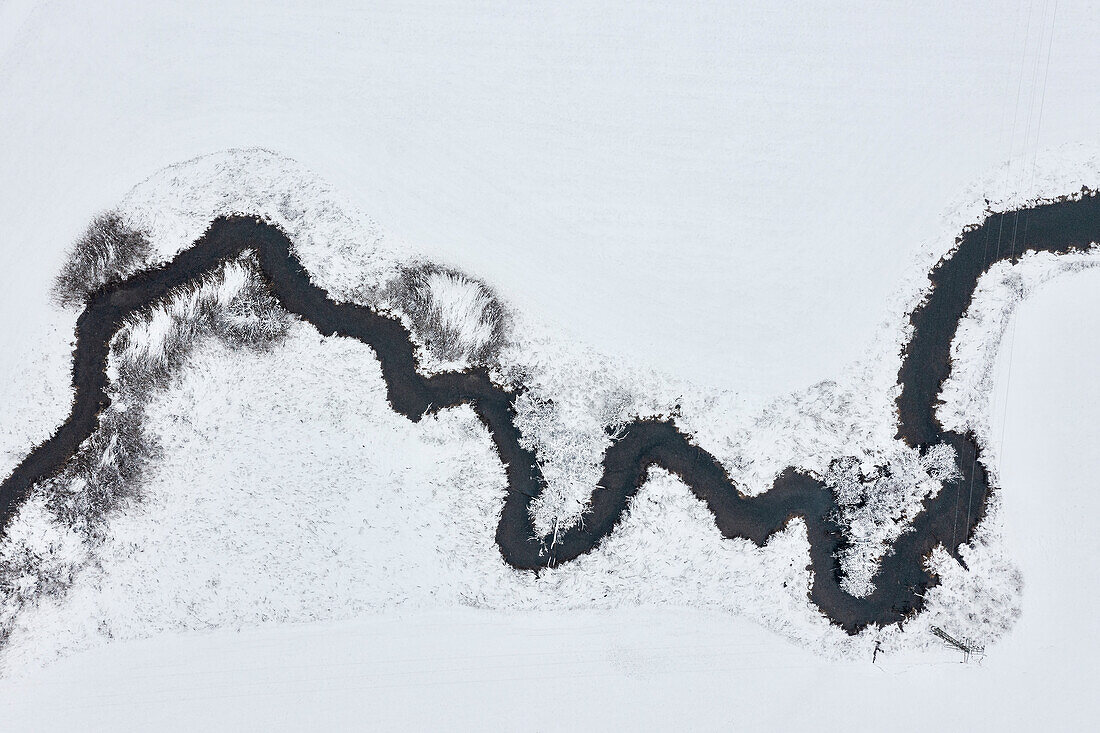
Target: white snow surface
x,y
762,240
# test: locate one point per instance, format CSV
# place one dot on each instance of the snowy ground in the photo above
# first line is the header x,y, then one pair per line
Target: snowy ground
x,y
370,511
781,164
660,667
644,177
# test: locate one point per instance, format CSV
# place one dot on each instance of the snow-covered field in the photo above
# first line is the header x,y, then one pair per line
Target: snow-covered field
x,y
663,191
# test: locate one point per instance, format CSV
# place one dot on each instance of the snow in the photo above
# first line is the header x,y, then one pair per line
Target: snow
x,y
875,509
659,667
746,198
294,494
631,155
389,514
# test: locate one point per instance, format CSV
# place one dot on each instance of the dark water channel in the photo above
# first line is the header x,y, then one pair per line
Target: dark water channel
x,y
902,578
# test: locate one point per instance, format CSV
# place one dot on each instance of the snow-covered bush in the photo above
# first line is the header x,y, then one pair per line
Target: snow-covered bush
x,y
455,317
876,504
569,455
108,251
103,474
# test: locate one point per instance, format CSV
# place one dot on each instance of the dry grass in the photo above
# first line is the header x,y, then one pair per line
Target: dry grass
x,y
454,316
108,251
231,304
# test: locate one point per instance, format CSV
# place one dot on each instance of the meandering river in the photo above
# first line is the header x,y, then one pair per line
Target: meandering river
x,y
902,578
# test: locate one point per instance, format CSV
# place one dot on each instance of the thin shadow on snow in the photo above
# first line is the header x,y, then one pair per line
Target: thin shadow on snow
x,y
902,578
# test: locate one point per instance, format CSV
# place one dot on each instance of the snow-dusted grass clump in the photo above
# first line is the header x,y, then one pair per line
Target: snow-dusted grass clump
x,y
230,303
456,319
39,559
109,250
570,452
572,405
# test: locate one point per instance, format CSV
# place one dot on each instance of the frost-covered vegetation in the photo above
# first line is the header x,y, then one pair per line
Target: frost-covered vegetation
x,y
877,503
231,304
106,473
109,250
285,489
455,318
